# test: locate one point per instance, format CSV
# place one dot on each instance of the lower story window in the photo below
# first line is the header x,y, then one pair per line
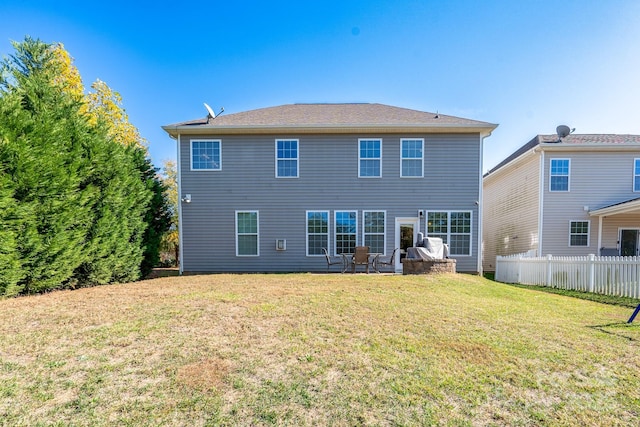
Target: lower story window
x,y
579,233
346,230
317,232
454,228
374,230
247,236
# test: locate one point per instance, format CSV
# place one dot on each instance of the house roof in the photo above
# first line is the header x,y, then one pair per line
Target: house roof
x,y
626,206
329,118
570,141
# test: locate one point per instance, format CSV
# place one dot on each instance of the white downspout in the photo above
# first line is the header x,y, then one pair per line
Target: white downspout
x,y
541,203
480,252
179,173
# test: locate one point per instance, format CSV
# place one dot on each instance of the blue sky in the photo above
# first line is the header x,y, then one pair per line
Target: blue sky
x,y
525,65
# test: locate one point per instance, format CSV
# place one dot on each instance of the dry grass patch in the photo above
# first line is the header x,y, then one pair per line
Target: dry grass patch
x,y
306,349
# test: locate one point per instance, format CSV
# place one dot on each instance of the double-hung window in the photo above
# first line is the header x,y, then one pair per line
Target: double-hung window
x,y
247,233
206,155
560,170
454,228
286,158
346,227
374,231
411,158
636,175
579,233
369,158
317,232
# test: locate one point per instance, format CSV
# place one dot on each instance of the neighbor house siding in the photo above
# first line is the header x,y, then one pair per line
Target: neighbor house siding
x,y
597,179
328,181
511,200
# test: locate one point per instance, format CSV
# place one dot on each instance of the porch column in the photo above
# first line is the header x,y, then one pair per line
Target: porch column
x,y
599,233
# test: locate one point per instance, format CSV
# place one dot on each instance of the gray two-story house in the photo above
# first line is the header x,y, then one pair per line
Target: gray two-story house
x,y
566,196
266,190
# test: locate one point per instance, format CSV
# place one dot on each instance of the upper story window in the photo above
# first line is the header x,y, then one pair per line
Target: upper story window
x,y
559,175
374,230
454,228
636,175
247,241
206,155
287,158
579,233
317,232
369,158
411,158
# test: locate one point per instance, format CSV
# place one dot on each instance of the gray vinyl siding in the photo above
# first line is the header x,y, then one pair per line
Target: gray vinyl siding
x,y
511,209
328,181
597,179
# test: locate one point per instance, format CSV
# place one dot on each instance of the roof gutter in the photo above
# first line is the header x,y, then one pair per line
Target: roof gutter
x,y
174,130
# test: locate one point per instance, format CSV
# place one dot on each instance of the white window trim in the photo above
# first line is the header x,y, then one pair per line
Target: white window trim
x,y
384,233
257,233
449,233
306,222
297,159
370,158
412,158
635,177
219,141
588,233
335,227
568,176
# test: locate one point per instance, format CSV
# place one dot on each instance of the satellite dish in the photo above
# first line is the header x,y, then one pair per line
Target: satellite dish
x,y
211,113
562,131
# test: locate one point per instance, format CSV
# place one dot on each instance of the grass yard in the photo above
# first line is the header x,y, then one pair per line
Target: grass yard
x,y
309,349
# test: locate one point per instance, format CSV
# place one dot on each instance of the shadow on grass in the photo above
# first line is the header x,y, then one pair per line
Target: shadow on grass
x,y
604,299
620,326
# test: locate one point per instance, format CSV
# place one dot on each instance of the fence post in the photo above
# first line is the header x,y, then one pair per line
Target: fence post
x,y
519,277
592,270
548,283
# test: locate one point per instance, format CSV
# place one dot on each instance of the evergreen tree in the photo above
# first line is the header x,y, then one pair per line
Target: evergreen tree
x,y
80,203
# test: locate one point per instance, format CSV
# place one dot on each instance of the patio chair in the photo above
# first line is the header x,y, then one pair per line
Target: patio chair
x,y
382,261
360,257
333,261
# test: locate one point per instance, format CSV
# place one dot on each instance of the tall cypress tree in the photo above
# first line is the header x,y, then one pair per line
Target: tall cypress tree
x,y
74,200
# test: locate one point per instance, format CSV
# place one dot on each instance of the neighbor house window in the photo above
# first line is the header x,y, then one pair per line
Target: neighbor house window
x,y
454,228
317,232
636,175
579,233
346,227
247,233
205,155
370,158
287,158
559,176
373,224
411,158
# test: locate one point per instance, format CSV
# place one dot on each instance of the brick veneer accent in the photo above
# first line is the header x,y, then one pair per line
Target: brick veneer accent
x,y
419,266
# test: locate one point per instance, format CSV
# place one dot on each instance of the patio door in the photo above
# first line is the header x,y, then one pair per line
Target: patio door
x,y
406,234
629,242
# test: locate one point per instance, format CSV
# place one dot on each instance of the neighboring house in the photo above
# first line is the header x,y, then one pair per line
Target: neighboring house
x,y
265,190
569,196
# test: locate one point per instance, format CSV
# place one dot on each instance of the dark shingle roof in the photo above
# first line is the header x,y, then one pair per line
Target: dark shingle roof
x,y
331,116
573,139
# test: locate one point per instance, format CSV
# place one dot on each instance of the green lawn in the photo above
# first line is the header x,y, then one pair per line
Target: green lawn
x,y
309,349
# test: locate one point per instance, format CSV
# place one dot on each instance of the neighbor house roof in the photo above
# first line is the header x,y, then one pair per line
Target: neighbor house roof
x,y
573,141
329,118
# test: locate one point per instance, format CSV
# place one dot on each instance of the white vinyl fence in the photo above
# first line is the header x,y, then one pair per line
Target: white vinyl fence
x,y
617,276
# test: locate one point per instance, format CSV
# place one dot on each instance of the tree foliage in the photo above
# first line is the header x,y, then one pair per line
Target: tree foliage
x,y
170,239
75,199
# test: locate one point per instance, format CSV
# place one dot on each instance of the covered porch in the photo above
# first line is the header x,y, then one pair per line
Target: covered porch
x,y
618,228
